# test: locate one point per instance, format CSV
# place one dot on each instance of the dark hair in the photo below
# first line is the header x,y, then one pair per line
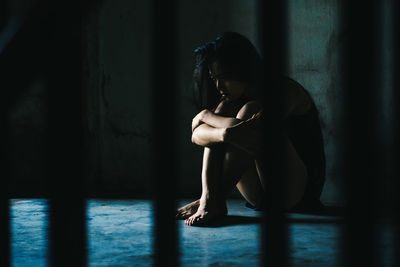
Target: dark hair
x,y
236,55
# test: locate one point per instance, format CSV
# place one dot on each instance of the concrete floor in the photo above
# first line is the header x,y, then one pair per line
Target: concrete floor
x,y
120,235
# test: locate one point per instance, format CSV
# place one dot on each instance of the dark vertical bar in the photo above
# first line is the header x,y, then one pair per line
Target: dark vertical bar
x,y
395,7
360,21
4,175
3,13
67,233
274,42
4,205
165,119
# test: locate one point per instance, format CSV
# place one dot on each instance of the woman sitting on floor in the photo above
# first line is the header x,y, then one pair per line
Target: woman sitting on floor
x,y
228,79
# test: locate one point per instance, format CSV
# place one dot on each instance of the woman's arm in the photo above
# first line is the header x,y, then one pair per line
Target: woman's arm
x,y
218,121
210,128
245,135
206,135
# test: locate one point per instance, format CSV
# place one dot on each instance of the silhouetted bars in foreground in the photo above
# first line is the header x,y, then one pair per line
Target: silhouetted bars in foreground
x,y
4,202
63,60
165,133
360,26
274,238
67,229
4,206
395,8
18,66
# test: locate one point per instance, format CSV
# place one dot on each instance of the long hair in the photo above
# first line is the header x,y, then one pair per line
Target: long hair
x,y
237,56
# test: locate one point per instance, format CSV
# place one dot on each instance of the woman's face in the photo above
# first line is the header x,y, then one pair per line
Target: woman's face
x,y
229,88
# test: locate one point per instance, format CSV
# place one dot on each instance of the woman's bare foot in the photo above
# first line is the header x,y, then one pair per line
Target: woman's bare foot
x,y
207,211
187,210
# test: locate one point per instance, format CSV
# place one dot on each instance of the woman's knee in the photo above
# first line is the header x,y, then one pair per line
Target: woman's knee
x,y
248,110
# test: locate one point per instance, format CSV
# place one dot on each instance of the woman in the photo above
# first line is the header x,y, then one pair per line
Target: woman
x,y
228,80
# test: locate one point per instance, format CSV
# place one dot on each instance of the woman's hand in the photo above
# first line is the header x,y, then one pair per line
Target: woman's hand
x,y
198,119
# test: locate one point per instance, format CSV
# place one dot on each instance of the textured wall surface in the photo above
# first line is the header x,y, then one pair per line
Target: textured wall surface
x,y
314,45
119,81
123,95
119,72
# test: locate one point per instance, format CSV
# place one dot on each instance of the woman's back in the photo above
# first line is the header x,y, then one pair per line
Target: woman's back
x,y
305,133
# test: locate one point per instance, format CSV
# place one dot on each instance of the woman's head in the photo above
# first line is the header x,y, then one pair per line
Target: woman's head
x,y
228,67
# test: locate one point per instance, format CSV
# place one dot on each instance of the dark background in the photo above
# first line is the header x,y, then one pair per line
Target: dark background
x,y
118,84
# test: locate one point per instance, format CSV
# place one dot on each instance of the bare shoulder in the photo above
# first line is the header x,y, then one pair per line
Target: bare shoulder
x,y
252,106
249,109
297,100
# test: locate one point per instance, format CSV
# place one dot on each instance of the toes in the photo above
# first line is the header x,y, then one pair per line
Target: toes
x,y
189,221
183,215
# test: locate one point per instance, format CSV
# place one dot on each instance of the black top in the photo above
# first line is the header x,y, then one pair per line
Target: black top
x,y
305,133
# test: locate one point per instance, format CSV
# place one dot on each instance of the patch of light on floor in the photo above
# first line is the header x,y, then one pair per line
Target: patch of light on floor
x,y
28,226
119,232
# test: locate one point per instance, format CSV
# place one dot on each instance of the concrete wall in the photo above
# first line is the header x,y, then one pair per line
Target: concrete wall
x,y
123,98
315,40
119,82
120,85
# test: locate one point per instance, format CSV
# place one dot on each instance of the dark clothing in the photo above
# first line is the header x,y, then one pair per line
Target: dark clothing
x,y
304,131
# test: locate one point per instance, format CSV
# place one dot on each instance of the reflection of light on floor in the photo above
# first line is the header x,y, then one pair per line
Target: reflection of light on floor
x,y
120,234
234,244
28,232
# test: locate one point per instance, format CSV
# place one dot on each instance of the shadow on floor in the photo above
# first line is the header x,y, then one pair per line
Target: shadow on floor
x,y
233,220
327,215
324,211
322,220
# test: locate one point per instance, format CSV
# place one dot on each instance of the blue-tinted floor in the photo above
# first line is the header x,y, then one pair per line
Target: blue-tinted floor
x,y
120,234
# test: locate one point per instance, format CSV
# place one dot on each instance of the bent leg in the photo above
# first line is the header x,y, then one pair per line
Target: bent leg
x,y
223,166
250,186
212,201
295,176
252,180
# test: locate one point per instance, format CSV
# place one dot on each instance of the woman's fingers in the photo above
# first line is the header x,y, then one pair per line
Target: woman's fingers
x,y
197,120
195,124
